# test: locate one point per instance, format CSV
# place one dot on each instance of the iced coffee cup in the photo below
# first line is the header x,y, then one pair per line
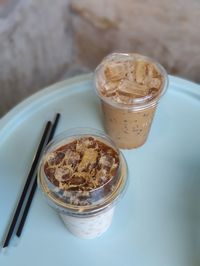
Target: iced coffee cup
x,y
83,176
129,87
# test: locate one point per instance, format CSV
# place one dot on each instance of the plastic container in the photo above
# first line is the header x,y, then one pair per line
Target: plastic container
x,y
86,211
128,123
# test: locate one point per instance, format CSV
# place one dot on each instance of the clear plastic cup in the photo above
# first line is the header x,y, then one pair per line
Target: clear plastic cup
x,y
86,213
128,123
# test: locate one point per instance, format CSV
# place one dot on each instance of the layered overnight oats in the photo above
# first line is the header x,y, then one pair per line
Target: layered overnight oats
x,y
129,87
82,175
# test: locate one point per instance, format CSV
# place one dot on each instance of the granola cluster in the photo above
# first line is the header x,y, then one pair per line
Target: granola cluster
x,y
126,80
78,168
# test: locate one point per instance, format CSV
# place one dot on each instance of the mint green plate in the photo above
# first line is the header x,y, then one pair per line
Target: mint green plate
x,y
157,223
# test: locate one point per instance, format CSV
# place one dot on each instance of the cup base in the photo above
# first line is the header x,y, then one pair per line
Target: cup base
x,y
125,146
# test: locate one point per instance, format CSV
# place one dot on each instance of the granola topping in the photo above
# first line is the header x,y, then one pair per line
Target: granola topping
x,y
81,168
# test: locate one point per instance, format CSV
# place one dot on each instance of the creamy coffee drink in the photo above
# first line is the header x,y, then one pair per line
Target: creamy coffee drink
x,y
82,177
129,86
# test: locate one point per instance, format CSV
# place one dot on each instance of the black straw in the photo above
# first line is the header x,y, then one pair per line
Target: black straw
x,y
53,129
33,189
27,184
28,204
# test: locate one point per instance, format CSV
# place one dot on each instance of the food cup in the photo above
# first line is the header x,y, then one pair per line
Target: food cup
x,y
83,175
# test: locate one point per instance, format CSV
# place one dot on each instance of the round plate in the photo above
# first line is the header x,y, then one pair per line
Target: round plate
x,y
158,220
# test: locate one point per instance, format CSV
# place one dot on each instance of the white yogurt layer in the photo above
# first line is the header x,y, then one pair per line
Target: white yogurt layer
x,y
89,227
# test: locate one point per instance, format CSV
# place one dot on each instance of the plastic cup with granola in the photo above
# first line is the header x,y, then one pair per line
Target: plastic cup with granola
x,y
82,176
129,87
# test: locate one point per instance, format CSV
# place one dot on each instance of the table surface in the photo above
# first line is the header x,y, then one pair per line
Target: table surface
x,y
158,220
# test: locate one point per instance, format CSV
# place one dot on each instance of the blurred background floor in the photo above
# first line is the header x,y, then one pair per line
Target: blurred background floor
x,y
44,41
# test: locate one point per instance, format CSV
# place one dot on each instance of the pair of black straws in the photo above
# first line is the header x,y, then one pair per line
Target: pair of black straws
x,y
31,179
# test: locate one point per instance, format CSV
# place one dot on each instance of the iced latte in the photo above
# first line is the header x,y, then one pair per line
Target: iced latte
x,y
129,87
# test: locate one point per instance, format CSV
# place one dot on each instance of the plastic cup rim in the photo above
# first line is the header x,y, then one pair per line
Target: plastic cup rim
x,y
98,207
